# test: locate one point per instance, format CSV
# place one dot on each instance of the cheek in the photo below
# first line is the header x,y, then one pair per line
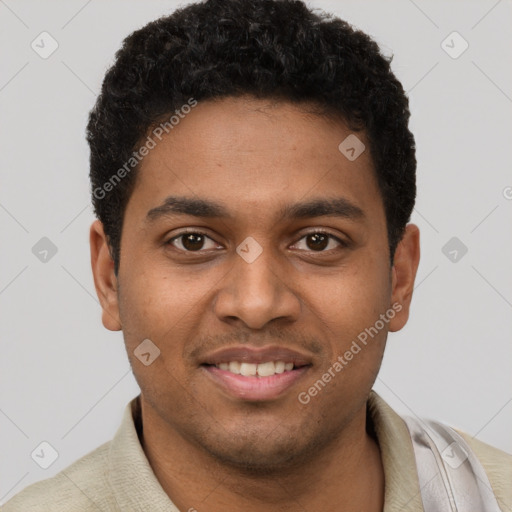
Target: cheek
x,y
163,307
353,299
148,305
349,308
158,308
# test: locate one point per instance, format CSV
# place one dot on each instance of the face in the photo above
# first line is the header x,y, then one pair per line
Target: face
x,y
252,244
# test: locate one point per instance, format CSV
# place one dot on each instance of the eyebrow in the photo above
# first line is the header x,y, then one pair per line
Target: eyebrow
x,y
204,208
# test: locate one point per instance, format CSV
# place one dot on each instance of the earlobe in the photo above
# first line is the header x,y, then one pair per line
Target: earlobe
x,y
405,266
105,280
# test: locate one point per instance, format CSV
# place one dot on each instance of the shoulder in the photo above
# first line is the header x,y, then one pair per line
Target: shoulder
x,y
497,465
81,487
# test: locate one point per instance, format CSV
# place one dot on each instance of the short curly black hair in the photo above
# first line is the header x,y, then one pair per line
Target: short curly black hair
x,y
275,49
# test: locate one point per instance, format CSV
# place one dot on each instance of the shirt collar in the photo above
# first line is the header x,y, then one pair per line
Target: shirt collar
x,y
131,477
402,489
136,487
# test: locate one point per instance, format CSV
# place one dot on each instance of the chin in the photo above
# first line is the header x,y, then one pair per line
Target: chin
x,y
257,454
256,462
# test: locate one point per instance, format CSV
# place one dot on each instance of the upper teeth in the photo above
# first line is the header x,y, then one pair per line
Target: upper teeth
x,y
266,369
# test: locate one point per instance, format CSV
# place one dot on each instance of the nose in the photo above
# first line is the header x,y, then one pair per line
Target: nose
x,y
257,292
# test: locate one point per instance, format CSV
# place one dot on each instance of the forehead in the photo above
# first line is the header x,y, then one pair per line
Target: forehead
x,y
255,158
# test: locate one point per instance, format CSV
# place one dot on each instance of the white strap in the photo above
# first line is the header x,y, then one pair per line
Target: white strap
x,y
451,477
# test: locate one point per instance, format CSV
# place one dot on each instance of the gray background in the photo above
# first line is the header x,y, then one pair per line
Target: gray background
x,y
66,380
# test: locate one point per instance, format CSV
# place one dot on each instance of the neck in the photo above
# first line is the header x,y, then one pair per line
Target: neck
x,y
346,475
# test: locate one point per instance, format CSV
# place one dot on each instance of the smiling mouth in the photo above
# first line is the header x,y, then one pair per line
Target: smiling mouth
x,y
256,382
264,369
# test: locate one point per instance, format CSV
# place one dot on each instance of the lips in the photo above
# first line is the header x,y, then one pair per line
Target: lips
x,y
253,355
265,369
256,374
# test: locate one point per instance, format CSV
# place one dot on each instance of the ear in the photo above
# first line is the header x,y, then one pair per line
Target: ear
x,y
405,265
105,280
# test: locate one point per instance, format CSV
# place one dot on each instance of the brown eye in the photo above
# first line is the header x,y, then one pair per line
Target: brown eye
x,y
317,241
320,242
192,241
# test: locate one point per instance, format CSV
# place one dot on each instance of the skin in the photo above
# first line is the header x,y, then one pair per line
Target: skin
x,y
209,450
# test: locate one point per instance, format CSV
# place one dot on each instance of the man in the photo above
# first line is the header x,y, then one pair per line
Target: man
x,y
253,176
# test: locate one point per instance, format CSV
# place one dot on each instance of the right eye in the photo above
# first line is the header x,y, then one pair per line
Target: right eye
x,y
191,241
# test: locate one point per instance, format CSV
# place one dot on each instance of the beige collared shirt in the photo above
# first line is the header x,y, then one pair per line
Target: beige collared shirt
x,y
117,476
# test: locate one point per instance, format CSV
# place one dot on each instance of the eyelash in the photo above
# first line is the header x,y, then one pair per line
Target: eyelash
x,y
342,243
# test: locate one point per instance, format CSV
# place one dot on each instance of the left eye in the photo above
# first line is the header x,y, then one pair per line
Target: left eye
x,y
320,241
